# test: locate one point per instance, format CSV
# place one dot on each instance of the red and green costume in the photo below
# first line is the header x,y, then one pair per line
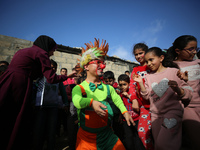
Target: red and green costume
x,y
95,132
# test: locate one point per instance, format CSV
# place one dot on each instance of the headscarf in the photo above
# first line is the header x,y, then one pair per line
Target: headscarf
x,y
46,43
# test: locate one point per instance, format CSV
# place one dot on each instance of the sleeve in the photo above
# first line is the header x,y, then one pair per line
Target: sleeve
x,y
63,94
117,100
47,71
145,94
132,87
79,101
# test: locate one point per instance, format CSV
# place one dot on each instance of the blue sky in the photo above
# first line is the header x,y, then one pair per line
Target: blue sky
x,y
122,23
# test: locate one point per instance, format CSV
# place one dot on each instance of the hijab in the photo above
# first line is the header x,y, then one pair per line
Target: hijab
x,y
46,43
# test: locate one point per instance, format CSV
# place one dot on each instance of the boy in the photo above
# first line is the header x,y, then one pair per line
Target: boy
x,y
130,136
90,98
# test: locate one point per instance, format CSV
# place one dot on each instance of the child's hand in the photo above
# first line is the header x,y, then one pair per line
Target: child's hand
x,y
97,108
126,94
137,78
183,75
175,87
117,91
129,119
135,105
120,119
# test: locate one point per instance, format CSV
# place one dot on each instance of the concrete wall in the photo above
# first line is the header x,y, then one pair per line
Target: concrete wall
x,y
65,56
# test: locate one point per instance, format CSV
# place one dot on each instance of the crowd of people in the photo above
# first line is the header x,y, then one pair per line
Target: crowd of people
x,y
154,107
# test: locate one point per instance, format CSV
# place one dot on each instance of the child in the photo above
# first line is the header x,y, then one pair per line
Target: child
x,y
90,99
165,91
46,113
130,138
182,52
138,103
109,78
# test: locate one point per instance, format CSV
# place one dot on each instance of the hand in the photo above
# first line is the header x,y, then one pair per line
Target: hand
x,y
129,119
73,74
97,108
137,78
117,91
183,75
126,94
135,105
175,87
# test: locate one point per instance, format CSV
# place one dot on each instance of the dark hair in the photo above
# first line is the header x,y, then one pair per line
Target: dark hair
x,y
63,69
179,43
127,71
124,77
142,46
108,75
54,63
4,62
167,62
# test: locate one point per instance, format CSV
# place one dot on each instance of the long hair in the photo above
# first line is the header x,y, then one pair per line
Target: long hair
x,y
167,62
179,43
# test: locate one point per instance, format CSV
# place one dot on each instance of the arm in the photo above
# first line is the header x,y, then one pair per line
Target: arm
x,y
119,103
82,102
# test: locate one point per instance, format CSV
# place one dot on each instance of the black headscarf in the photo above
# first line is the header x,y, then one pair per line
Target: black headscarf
x,y
46,43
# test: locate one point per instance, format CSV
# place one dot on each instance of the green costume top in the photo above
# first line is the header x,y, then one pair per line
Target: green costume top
x,y
81,102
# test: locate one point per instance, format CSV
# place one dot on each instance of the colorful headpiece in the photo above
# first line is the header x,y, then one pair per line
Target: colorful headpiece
x,y
93,52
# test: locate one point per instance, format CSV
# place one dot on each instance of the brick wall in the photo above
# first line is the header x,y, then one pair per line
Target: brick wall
x,y
65,56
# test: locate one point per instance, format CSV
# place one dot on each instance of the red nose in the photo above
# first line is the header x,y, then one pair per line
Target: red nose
x,y
102,66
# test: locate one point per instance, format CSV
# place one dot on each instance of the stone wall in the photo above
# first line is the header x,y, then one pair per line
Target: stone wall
x,y
65,56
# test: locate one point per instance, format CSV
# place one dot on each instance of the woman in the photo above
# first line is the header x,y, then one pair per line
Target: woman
x,y
16,89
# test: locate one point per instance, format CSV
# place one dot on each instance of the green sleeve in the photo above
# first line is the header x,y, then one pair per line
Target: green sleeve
x,y
117,100
63,93
78,100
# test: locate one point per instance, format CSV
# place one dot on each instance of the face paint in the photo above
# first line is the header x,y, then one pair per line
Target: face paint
x,y
100,64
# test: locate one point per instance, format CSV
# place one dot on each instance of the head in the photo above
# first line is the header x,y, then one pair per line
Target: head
x,y
54,65
109,77
4,63
139,51
184,48
127,72
92,59
3,69
124,82
46,43
156,59
63,71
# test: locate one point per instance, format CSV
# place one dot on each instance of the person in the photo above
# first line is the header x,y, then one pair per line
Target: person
x,y
3,62
127,72
182,52
3,66
63,71
140,105
72,119
16,90
69,80
130,137
167,94
46,114
109,78
91,100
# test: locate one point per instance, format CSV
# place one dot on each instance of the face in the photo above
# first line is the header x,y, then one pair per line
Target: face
x,y
153,62
96,67
139,55
188,52
51,53
123,86
109,81
63,72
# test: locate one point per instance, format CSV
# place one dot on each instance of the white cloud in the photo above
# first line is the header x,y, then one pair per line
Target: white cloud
x,y
121,52
149,34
